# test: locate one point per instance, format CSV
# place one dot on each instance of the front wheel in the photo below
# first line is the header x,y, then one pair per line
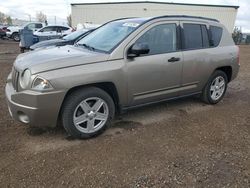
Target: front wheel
x,y
16,37
215,88
87,112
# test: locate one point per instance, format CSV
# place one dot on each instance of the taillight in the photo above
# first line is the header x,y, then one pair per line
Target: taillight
x,y
238,56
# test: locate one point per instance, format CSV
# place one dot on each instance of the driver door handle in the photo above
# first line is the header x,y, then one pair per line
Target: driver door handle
x,y
174,59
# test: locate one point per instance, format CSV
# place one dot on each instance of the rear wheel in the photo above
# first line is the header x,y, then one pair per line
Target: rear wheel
x,y
87,112
215,88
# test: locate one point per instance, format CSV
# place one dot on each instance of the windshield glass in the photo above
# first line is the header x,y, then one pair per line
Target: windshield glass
x,y
75,34
108,36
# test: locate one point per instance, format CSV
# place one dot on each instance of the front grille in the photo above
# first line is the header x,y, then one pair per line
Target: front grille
x,y
15,76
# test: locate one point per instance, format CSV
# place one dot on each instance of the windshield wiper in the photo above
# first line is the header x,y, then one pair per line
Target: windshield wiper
x,y
87,46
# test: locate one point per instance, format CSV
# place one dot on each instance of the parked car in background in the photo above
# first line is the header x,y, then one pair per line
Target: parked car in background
x,y
13,31
3,30
124,64
66,40
52,32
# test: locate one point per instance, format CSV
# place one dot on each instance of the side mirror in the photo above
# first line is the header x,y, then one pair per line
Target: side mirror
x,y
138,49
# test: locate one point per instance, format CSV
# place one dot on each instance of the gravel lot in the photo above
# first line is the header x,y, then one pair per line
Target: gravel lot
x,y
183,143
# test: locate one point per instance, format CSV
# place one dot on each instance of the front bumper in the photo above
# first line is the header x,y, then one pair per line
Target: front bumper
x,y
8,34
34,108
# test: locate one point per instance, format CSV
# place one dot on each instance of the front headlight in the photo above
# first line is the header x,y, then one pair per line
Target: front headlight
x,y
41,84
25,79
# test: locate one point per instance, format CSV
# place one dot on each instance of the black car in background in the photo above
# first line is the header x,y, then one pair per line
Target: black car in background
x,y
66,40
3,30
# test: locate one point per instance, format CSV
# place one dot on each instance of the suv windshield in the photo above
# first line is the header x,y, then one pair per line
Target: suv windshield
x,y
75,34
108,36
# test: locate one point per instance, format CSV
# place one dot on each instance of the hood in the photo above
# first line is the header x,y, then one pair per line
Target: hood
x,y
13,28
46,43
56,58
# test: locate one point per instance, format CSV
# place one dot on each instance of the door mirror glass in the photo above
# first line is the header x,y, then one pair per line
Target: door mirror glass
x,y
138,49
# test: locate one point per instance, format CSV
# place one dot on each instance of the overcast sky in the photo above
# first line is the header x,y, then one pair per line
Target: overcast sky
x,y
61,8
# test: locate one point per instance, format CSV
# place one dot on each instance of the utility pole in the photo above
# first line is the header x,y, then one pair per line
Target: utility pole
x,y
55,19
29,17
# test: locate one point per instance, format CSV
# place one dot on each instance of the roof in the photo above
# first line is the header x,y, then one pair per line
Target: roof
x,y
54,25
155,2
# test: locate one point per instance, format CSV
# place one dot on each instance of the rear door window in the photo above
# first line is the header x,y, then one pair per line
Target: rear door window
x,y
47,29
216,33
55,28
192,36
64,28
61,29
195,36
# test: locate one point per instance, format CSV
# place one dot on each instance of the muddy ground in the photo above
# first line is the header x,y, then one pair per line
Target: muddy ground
x,y
182,143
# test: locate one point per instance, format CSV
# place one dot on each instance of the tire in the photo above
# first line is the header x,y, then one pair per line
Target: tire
x,y
22,49
214,91
16,37
87,112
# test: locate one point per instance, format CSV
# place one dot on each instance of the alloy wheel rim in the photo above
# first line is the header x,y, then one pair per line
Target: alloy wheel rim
x,y
217,88
90,115
16,38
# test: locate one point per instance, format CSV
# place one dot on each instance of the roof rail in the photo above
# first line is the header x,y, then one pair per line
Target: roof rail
x,y
156,2
185,16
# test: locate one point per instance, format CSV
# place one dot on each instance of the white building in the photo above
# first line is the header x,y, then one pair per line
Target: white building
x,y
99,13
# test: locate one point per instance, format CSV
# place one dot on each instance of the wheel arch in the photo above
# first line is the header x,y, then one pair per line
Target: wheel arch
x,y
228,70
108,87
15,32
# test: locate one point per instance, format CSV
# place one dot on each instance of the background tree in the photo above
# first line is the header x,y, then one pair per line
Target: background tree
x,y
2,17
41,17
69,20
237,35
5,19
9,20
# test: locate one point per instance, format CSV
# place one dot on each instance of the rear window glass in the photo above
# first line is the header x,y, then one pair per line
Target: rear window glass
x,y
216,33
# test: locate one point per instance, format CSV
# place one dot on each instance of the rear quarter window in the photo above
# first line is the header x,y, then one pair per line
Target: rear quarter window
x,y
216,34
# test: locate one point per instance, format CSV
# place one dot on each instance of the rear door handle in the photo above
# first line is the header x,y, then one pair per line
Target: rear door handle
x,y
174,59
